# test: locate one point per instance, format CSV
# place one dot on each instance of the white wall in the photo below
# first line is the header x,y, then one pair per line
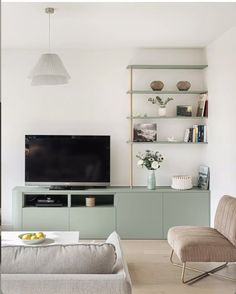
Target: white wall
x,y
94,102
221,80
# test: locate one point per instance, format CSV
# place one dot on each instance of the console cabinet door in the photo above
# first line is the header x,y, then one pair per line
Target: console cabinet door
x,y
92,222
186,208
139,215
45,219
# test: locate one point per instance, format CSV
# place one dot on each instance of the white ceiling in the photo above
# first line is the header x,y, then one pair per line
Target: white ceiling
x,y
116,25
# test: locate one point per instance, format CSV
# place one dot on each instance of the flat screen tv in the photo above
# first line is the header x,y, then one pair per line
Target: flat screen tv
x,y
67,160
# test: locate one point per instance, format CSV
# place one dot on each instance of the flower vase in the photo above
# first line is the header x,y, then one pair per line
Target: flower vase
x,y
162,111
151,180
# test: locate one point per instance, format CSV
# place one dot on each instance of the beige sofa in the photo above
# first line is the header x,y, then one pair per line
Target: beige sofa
x,y
70,269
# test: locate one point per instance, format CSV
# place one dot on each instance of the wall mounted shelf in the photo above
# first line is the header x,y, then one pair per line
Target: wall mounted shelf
x,y
168,117
167,142
133,92
149,66
150,92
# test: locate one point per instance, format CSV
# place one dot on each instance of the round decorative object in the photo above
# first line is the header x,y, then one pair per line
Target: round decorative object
x,y
157,85
90,201
183,85
181,182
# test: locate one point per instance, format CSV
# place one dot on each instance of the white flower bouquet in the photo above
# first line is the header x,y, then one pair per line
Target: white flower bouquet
x,y
150,159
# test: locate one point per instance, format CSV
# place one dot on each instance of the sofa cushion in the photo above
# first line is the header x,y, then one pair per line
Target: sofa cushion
x,y
225,218
200,244
59,259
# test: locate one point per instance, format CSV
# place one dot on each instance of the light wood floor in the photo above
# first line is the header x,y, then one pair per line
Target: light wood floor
x,y
152,273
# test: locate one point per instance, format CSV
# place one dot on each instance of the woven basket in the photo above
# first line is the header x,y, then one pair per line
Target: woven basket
x,y
181,182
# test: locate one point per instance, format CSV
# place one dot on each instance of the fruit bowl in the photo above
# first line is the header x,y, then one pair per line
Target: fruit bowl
x,y
32,238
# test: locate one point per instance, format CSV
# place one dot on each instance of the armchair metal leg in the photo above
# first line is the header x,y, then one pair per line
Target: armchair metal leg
x,y
202,275
183,273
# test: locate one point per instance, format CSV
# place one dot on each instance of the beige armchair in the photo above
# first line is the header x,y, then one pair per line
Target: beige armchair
x,y
204,244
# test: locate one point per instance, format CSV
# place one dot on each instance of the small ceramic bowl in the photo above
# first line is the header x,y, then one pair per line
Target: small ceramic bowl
x,y
157,85
183,85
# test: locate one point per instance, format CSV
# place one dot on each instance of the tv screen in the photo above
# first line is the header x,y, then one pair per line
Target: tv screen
x,y
67,160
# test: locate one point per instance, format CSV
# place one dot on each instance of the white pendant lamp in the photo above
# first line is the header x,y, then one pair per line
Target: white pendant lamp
x,y
49,69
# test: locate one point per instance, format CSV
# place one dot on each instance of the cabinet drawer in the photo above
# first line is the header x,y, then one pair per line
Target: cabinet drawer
x,y
139,215
187,208
45,219
92,222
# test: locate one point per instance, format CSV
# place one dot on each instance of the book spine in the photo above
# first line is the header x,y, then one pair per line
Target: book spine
x,y
205,134
200,133
205,114
186,136
190,139
195,133
203,108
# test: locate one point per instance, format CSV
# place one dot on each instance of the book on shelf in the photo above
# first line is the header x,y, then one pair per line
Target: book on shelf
x,y
190,138
202,110
201,133
204,177
206,109
196,134
205,134
186,135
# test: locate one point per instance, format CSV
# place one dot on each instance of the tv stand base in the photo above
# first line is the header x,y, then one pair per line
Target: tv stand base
x,y
67,188
75,187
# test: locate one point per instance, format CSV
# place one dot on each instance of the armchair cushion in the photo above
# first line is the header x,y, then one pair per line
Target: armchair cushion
x,y
200,244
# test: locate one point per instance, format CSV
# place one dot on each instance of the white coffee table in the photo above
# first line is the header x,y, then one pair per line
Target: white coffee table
x,y
52,238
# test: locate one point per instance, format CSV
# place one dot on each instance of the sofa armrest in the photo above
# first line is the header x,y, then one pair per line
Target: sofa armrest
x,y
121,265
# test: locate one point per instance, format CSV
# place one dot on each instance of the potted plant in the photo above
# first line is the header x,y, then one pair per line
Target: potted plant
x,y
162,104
151,160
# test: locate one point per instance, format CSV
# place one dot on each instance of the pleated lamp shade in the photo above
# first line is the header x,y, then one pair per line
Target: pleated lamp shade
x,y
49,70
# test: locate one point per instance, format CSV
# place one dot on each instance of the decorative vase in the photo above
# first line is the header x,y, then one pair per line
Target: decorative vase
x,y
162,111
151,180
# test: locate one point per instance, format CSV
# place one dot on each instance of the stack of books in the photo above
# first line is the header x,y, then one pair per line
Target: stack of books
x,y
196,134
202,110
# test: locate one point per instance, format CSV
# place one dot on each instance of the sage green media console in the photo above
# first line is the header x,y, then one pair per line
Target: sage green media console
x,y
135,213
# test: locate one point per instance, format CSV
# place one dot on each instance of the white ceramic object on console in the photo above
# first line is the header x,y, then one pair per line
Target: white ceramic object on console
x,y
182,182
90,201
162,111
172,139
